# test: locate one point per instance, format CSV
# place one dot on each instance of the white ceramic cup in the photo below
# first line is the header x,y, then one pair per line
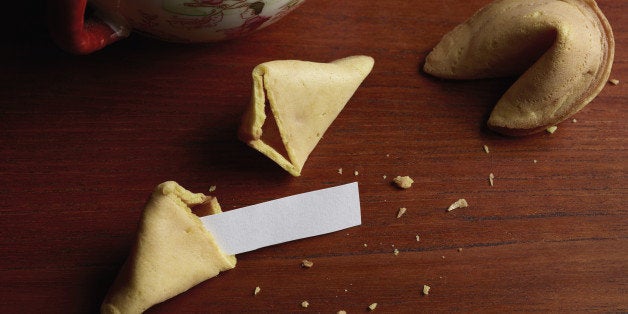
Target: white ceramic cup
x,y
186,21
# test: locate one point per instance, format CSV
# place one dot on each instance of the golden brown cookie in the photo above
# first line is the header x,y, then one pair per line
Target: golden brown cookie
x,y
562,52
173,252
293,104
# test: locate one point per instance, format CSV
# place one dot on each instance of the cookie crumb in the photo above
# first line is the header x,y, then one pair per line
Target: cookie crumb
x,y
486,150
461,203
305,304
402,211
356,173
574,120
614,81
459,249
418,238
535,161
384,176
365,245
396,252
551,129
257,290
491,178
341,312
372,306
212,188
306,264
339,170
426,289
404,182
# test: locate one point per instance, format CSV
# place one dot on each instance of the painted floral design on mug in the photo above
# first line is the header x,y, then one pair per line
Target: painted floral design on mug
x,y
170,20
210,20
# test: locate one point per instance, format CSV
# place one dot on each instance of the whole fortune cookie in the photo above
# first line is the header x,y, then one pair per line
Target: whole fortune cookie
x,y
562,51
294,102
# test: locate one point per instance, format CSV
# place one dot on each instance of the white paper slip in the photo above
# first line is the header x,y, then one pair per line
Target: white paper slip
x,y
286,219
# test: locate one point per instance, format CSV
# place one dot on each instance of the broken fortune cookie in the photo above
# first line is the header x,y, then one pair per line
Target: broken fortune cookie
x,y
173,252
293,104
562,50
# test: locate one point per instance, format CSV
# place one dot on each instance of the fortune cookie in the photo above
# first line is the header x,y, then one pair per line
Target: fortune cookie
x,y
173,252
562,52
293,104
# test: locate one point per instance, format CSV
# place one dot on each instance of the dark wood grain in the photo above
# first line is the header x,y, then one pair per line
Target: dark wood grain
x,y
84,140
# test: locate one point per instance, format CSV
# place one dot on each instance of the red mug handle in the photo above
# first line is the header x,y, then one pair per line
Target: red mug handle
x,y
72,32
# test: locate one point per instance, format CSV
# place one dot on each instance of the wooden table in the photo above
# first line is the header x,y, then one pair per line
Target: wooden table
x,y
84,140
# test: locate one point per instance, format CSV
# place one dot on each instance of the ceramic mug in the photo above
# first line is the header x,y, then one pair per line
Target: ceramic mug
x,y
186,21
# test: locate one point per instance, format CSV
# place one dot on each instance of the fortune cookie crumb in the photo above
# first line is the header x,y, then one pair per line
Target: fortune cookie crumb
x,y
402,211
426,289
404,182
306,264
458,204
